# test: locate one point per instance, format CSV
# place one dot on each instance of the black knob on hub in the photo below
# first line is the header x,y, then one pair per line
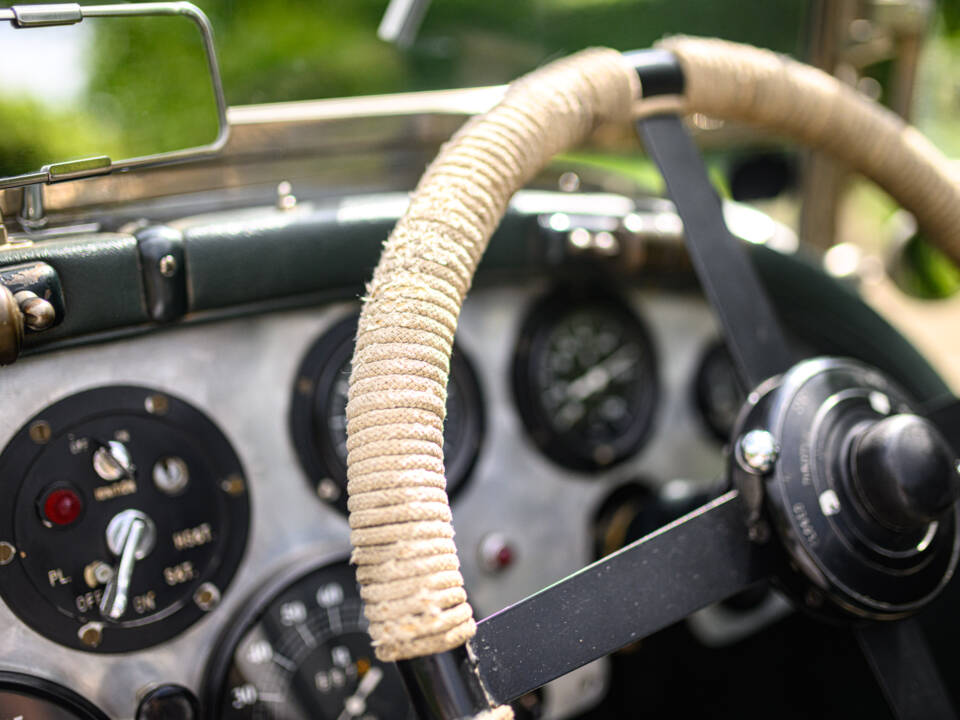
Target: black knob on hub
x,y
905,472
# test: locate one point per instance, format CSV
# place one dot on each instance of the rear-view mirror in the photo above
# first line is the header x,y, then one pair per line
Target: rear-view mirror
x,y
85,90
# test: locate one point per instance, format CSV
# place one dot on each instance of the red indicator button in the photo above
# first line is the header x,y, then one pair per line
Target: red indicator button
x,y
62,506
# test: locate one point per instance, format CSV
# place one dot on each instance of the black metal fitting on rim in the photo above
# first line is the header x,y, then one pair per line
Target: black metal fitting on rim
x,y
444,686
659,71
163,262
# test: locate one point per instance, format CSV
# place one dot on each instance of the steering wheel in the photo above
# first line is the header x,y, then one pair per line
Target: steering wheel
x,y
842,490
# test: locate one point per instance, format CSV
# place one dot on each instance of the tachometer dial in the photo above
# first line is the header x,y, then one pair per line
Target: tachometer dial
x,y
585,379
318,418
301,652
123,517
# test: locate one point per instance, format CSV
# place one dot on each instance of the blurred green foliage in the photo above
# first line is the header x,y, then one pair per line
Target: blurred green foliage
x,y
150,88
149,91
152,94
302,49
925,272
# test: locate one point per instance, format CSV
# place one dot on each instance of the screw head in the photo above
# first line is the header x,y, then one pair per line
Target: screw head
x,y
757,452
171,475
168,266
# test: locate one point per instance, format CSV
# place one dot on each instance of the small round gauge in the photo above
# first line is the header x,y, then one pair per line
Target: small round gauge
x,y
26,697
301,650
585,378
717,391
318,416
123,517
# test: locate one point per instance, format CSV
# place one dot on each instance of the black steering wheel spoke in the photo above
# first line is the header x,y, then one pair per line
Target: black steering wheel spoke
x,y
902,479
753,335
898,655
699,559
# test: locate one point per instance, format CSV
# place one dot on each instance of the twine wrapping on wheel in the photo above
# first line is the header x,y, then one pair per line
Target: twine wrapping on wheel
x,y
400,518
738,82
406,560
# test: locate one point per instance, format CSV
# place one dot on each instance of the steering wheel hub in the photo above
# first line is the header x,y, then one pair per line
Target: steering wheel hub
x,y
862,494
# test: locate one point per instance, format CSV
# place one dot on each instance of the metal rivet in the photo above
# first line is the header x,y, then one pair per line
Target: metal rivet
x,y
207,597
580,238
757,452
156,404
829,502
569,182
879,402
40,432
91,634
328,490
168,266
7,553
286,200
759,532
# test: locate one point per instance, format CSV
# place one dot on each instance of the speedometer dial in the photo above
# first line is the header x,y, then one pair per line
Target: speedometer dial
x,y
585,379
302,653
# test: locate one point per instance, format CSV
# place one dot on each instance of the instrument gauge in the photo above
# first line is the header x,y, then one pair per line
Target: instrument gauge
x,y
717,391
123,518
318,416
26,697
585,378
301,650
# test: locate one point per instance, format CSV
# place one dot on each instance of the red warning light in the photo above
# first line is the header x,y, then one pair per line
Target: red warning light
x,y
62,506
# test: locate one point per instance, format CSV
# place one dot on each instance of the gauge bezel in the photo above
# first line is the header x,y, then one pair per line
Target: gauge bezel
x,y
18,589
51,692
540,320
712,352
314,445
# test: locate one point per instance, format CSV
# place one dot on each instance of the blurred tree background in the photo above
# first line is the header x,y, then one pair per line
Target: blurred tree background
x,y
151,91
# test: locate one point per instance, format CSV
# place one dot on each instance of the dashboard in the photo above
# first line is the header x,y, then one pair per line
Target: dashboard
x,y
173,534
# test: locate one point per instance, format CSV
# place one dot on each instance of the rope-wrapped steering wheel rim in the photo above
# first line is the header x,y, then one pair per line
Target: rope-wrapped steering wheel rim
x,y
400,518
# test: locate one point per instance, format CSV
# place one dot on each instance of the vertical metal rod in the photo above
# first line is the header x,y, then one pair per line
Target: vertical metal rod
x,y
31,207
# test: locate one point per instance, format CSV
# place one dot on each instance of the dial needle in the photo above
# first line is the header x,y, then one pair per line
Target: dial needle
x,y
597,378
356,704
114,602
